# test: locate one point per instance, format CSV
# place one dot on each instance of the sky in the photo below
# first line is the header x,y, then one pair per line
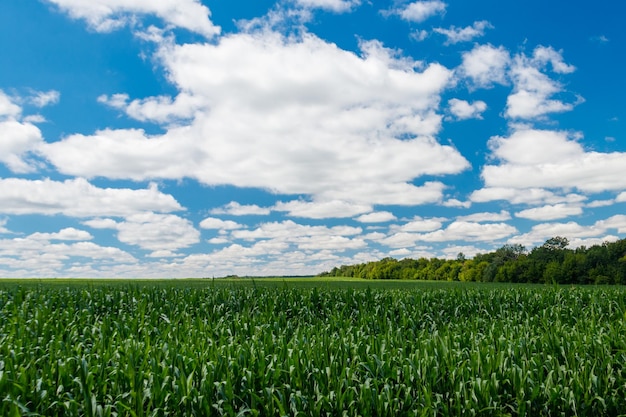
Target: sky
x,y
188,138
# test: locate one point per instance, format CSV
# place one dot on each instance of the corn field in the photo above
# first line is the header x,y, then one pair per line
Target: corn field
x,y
243,351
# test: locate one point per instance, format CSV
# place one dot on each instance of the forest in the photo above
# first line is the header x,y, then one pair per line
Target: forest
x,y
551,263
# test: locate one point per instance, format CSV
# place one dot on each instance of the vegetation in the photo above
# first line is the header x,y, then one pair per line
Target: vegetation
x,y
262,350
550,263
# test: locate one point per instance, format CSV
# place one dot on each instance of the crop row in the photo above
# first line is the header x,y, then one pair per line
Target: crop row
x,y
143,351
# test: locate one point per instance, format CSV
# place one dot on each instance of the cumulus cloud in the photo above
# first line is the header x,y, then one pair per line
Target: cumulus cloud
x,y
545,54
108,15
376,217
68,233
470,231
321,210
289,230
550,212
466,34
151,231
419,224
419,11
290,115
462,109
8,108
37,256
458,230
572,230
486,65
79,198
537,159
486,217
531,196
235,209
19,136
18,142
215,223
533,89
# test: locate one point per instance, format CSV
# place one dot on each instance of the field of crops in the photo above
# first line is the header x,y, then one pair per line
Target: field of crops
x,y
268,350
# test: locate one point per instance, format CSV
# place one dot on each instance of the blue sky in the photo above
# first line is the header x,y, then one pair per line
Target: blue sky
x,y
186,138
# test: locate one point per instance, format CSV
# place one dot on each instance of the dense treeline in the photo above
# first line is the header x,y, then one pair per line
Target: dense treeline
x,y
551,262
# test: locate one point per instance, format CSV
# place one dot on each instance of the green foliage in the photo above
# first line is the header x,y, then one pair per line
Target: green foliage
x,y
456,350
551,263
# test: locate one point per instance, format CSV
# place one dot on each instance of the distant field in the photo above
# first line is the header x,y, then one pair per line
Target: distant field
x,y
309,346
258,282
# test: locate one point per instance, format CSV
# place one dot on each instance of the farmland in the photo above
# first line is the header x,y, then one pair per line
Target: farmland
x,y
310,347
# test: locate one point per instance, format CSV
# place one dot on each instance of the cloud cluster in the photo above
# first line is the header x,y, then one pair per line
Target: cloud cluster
x,y
19,135
108,15
291,115
78,198
538,159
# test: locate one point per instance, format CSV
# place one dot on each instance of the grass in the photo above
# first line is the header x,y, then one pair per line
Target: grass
x,y
303,346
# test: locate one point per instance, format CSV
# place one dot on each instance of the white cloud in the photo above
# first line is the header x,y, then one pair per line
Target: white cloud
x,y
550,212
419,35
376,217
337,6
321,210
108,15
161,109
542,55
45,98
36,256
289,230
470,231
576,233
535,147
152,231
215,223
486,65
532,196
400,240
462,109
3,229
68,233
466,34
79,198
419,11
453,202
18,137
419,224
235,209
305,116
388,194
18,141
451,252
533,89
486,217
533,158
601,203
8,107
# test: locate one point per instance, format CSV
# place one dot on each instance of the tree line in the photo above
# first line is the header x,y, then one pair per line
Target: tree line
x,y
552,262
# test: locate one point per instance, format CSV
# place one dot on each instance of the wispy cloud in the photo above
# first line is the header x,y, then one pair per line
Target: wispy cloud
x,y
456,35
